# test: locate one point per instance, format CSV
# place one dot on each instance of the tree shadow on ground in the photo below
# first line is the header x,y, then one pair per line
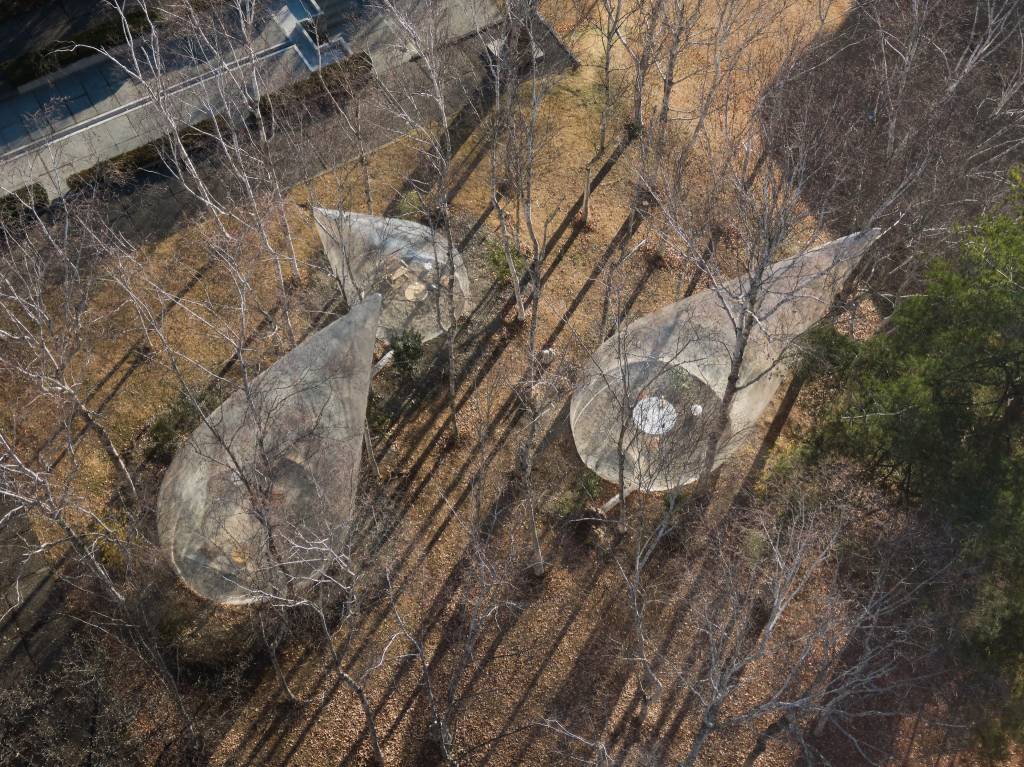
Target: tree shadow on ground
x,y
871,152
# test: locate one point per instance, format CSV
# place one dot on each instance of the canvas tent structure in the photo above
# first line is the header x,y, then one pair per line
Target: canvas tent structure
x,y
254,503
644,416
419,274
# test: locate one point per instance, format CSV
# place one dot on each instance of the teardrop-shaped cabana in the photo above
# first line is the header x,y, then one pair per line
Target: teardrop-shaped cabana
x,y
253,503
653,391
418,273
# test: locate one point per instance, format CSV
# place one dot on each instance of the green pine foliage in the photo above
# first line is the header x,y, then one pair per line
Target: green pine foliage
x,y
408,348
936,403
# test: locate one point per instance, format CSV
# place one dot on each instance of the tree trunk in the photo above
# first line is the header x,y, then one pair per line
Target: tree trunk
x,y
371,718
707,726
586,195
705,484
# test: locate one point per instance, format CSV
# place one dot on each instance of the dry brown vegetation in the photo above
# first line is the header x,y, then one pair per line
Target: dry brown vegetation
x,y
527,670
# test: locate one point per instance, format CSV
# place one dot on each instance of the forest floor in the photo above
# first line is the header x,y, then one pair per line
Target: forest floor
x,y
549,655
553,653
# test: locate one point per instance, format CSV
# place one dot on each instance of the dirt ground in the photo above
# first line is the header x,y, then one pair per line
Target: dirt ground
x,y
555,652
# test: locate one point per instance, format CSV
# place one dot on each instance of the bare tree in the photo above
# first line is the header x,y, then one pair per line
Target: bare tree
x,y
766,217
613,16
423,104
50,285
524,139
847,662
219,124
56,314
926,139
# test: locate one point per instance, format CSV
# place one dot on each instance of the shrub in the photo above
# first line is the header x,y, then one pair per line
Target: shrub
x,y
163,438
755,544
16,206
408,349
377,418
573,502
411,205
589,485
497,253
825,352
108,33
119,169
181,419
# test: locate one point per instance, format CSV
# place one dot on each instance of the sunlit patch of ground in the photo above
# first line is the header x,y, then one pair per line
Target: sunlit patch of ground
x,y
554,651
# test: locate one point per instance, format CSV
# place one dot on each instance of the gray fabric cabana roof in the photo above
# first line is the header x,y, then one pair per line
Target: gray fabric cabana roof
x,y
409,264
652,391
253,503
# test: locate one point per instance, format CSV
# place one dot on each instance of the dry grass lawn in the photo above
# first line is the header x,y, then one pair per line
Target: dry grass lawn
x,y
555,652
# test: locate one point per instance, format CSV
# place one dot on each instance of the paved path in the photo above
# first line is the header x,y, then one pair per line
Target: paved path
x,y
97,111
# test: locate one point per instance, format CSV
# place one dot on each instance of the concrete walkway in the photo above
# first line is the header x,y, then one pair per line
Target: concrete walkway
x,y
95,111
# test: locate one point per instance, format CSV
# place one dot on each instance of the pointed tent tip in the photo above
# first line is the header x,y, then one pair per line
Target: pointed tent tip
x,y
367,311
324,219
870,235
862,242
848,248
862,238
865,238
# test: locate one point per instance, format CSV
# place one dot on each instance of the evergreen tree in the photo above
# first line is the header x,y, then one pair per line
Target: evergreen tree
x,y
936,403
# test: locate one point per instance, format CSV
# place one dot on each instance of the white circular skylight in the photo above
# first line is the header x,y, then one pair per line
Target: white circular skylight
x,y
654,415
